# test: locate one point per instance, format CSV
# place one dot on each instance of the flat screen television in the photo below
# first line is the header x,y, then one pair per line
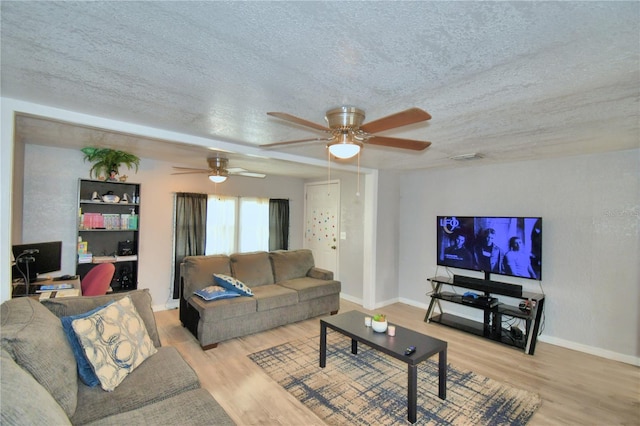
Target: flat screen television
x,y
44,258
494,245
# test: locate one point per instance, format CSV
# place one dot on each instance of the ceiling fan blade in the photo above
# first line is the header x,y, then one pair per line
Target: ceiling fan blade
x,y
404,118
193,172
184,169
250,174
297,120
235,170
398,143
296,141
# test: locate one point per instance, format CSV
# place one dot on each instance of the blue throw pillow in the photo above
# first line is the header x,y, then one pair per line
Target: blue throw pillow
x,y
232,284
215,292
85,370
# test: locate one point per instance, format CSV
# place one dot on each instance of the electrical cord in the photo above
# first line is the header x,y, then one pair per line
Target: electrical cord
x,y
26,258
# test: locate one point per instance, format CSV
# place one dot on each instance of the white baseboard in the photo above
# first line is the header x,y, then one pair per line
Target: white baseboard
x,y
603,353
351,299
169,305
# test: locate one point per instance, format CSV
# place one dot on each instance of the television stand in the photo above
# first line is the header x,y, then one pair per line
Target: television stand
x,y
491,327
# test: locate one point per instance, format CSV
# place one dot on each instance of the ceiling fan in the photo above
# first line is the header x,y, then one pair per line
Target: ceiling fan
x,y
218,170
347,134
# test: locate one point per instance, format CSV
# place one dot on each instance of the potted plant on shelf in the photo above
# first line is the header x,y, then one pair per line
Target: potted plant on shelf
x,y
379,323
107,162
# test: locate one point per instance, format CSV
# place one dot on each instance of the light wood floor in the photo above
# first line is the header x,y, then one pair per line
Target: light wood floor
x,y
576,388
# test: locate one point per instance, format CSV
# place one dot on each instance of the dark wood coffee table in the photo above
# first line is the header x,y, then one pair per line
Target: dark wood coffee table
x,y
351,324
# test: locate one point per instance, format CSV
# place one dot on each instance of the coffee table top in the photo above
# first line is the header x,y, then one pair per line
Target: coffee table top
x,y
351,324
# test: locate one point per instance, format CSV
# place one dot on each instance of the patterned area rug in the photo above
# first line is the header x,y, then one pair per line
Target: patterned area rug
x,y
371,388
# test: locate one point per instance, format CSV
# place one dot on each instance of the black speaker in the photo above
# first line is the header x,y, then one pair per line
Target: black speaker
x,y
125,248
125,278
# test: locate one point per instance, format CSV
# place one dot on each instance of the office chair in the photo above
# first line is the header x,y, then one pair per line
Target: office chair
x,y
98,280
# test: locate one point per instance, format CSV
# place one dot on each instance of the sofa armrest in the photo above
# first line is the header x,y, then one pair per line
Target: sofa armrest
x,y
319,273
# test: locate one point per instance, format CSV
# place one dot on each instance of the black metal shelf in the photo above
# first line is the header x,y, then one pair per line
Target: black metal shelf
x,y
491,327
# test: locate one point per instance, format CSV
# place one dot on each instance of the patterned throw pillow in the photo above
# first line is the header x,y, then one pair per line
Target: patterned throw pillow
x,y
115,341
232,284
215,292
85,370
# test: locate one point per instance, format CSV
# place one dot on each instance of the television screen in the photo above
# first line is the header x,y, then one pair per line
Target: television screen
x,y
499,245
45,257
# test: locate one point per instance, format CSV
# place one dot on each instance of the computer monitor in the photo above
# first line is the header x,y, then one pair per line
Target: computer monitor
x,y
42,258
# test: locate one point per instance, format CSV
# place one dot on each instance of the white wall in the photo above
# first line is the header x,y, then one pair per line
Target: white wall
x,y
590,207
387,239
50,207
350,249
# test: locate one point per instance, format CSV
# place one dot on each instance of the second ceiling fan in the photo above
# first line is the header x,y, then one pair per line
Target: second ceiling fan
x,y
347,133
218,170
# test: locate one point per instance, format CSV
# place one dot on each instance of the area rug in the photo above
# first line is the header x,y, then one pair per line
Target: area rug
x,y
370,388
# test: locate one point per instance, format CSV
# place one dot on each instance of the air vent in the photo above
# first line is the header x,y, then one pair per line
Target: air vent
x,y
470,156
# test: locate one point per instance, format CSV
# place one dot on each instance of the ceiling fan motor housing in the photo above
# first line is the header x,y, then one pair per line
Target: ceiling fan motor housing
x,y
345,117
218,163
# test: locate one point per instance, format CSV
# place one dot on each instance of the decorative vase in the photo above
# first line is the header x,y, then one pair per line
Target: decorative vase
x,y
379,326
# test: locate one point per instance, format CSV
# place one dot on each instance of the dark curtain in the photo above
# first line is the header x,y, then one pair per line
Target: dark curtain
x,y
190,232
278,224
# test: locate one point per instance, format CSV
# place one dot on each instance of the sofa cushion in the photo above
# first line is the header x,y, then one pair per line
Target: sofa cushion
x,y
215,292
160,377
232,284
66,306
34,338
195,407
312,288
196,271
85,369
115,341
217,310
24,400
253,269
274,296
291,264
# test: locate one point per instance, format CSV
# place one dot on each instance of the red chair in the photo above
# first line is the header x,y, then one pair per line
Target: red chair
x,y
98,280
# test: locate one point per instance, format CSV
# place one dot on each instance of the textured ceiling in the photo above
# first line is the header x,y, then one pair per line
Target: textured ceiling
x,y
507,80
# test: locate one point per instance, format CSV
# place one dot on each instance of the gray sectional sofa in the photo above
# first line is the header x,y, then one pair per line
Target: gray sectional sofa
x,y
286,286
40,383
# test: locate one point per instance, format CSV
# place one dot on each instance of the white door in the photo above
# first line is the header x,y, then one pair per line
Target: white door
x,y
322,219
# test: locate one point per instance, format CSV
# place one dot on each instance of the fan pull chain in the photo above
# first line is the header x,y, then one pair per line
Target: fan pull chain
x,y
358,188
328,172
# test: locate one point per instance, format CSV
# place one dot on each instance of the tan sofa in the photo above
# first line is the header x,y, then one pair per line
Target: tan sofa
x,y
287,287
40,383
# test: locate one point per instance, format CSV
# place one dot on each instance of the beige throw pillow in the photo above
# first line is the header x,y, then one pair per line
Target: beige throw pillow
x,y
115,341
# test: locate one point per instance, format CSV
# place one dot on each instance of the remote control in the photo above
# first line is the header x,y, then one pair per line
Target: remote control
x,y
410,350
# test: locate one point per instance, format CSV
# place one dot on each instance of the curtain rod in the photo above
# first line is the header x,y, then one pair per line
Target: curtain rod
x,y
239,196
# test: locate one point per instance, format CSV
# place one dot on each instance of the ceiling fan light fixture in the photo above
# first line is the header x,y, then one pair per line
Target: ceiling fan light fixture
x,y
345,146
217,178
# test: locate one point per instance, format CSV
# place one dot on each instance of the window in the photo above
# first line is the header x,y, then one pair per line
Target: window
x,y
254,224
237,224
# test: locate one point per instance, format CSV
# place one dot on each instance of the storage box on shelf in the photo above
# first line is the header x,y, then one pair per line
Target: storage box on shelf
x,y
108,229
494,309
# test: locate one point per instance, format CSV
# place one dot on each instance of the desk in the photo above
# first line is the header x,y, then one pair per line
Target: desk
x,y
19,287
